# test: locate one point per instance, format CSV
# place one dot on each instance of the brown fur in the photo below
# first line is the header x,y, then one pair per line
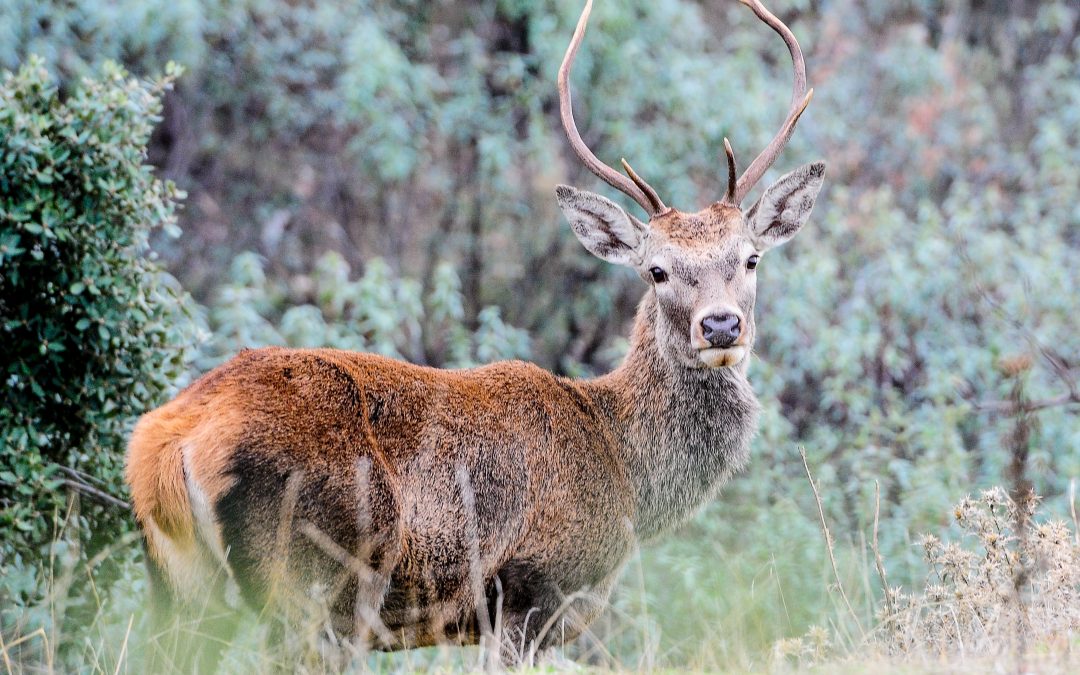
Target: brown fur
x,y
704,230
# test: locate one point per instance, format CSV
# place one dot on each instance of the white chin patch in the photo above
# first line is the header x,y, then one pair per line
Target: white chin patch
x,y
722,358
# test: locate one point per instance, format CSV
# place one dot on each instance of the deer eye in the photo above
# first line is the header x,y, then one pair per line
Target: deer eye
x,y
752,261
658,275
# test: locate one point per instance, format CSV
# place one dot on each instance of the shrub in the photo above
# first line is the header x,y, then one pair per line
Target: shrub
x,y
378,312
94,332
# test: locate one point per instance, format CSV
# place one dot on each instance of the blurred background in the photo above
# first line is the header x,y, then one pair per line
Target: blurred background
x,y
379,175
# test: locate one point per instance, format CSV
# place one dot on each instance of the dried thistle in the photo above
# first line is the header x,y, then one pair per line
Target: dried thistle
x,y
975,602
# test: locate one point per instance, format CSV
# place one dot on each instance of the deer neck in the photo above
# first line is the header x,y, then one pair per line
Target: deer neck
x,y
681,431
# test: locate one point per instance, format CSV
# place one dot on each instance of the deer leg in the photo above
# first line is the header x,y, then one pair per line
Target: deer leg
x,y
188,634
533,614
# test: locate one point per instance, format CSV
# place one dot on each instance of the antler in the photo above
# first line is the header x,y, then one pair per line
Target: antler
x,y
800,98
634,187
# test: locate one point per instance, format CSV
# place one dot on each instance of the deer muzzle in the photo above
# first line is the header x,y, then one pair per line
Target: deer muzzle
x,y
719,334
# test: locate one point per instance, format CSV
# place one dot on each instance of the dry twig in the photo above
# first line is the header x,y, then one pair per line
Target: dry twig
x,y
96,494
829,544
878,561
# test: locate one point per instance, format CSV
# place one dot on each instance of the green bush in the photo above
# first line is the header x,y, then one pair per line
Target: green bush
x,y
93,331
378,312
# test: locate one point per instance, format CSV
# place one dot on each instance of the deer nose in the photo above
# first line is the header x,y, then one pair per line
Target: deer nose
x,y
721,331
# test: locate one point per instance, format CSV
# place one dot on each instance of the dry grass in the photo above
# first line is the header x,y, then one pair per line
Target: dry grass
x,y
1003,592
1003,596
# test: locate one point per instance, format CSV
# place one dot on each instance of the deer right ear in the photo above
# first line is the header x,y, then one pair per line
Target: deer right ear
x,y
602,226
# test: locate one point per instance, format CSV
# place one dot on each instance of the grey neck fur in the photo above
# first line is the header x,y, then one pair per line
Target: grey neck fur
x,y
681,432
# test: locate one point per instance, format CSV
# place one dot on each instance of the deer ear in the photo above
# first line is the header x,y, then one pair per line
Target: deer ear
x,y
785,206
602,226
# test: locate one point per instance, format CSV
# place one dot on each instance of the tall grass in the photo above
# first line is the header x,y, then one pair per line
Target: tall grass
x,y
993,599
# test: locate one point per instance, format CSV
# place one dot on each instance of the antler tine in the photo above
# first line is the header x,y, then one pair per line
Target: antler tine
x,y
732,184
800,98
650,193
643,195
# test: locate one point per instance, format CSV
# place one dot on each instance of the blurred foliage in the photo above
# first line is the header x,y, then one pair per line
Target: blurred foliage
x,y
94,331
419,132
376,313
418,144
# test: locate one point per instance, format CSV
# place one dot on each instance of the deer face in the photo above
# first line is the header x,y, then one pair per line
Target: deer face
x,y
702,266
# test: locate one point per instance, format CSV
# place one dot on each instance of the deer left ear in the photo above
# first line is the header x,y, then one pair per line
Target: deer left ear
x,y
785,206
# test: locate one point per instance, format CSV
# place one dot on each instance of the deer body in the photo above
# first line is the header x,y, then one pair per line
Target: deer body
x,y
566,477
420,505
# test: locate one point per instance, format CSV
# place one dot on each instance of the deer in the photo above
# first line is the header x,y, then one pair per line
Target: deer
x,y
427,506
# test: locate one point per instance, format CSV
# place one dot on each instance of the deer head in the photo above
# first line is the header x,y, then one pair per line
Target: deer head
x,y
701,265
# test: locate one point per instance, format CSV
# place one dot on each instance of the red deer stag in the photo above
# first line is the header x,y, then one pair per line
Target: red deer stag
x,y
420,504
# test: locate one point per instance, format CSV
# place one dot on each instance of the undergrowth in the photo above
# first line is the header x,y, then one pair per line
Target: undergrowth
x,y
1001,592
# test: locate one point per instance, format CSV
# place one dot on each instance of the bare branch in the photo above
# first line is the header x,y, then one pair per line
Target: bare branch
x,y
97,495
365,574
1016,407
82,476
1062,368
476,575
